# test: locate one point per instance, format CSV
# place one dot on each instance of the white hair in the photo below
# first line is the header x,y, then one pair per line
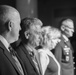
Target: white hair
x,y
49,32
68,23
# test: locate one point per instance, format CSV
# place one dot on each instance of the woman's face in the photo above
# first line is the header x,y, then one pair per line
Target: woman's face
x,y
52,43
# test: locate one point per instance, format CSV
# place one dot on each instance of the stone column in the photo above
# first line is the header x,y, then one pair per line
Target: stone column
x,y
27,8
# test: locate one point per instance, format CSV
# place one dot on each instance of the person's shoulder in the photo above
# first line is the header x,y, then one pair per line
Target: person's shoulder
x,y
21,44
19,47
40,50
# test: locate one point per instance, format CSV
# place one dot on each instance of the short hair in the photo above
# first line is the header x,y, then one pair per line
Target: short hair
x,y
27,22
49,32
67,22
6,14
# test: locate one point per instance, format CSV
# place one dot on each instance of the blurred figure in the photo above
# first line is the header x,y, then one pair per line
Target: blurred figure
x,y
63,50
9,32
30,38
49,64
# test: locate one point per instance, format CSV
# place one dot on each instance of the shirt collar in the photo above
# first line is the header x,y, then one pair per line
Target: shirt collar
x,y
66,39
29,48
4,41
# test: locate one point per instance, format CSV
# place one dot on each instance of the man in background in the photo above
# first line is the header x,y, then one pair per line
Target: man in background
x,y
64,51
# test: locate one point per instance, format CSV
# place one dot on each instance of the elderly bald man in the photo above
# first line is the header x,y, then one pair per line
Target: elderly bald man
x,y
10,63
64,51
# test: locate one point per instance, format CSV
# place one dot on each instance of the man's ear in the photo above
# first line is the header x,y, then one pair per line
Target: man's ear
x,y
62,28
10,26
26,34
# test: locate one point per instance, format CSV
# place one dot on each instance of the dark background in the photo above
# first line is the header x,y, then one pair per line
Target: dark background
x,y
51,12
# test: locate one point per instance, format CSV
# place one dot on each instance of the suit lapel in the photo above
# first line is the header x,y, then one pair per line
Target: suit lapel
x,y
68,44
7,54
63,43
22,65
28,56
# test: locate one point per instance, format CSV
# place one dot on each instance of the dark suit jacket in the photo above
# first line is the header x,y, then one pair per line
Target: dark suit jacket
x,y
67,67
28,63
7,65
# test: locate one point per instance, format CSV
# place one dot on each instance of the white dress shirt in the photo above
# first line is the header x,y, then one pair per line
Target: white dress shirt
x,y
4,41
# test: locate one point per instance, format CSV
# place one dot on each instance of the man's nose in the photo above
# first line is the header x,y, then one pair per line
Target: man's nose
x,y
72,30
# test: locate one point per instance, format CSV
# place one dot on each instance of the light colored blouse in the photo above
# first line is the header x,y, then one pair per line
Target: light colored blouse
x,y
45,60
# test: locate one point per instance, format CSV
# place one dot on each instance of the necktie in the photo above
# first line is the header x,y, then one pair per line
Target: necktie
x,y
13,53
